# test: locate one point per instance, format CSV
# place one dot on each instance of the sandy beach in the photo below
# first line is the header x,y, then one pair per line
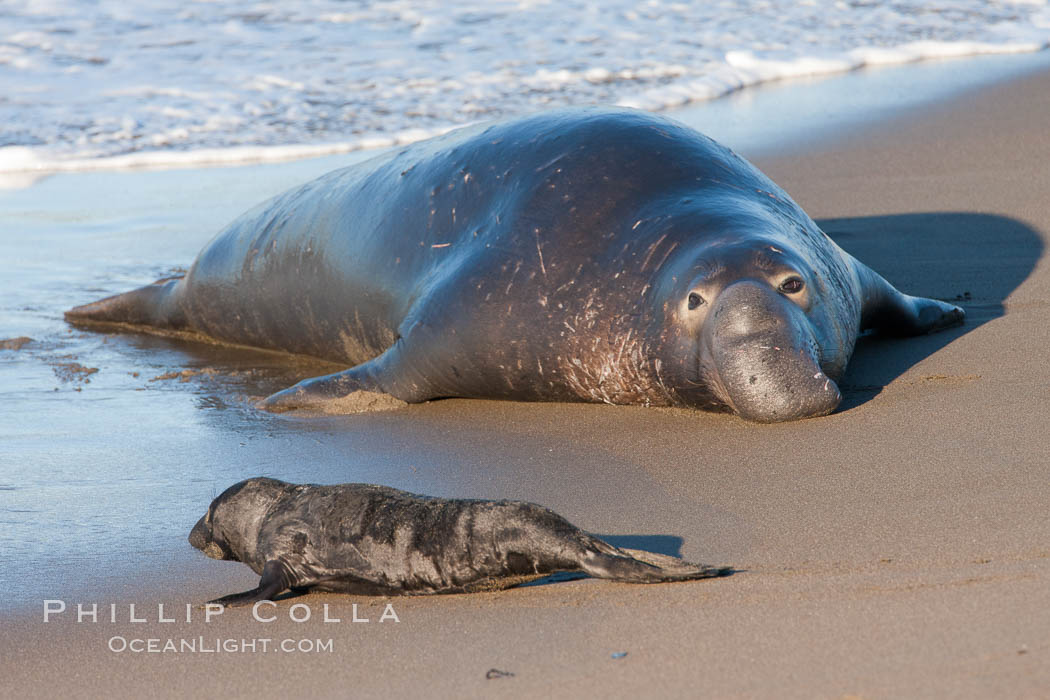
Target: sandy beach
x,y
897,548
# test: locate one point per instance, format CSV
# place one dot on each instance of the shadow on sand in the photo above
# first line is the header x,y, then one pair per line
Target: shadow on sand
x,y
671,545
973,260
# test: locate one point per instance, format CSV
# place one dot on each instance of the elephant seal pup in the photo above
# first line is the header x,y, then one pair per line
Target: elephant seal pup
x,y
375,540
581,255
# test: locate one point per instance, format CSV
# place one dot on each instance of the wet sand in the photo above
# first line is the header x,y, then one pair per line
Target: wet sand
x,y
896,548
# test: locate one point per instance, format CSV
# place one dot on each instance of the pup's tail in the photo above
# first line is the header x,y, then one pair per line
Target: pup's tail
x,y
153,305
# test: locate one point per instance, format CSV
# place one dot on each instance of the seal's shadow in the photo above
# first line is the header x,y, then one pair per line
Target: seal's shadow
x,y
973,260
671,545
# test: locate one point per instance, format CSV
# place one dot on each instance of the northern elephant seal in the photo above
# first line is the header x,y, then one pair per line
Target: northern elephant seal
x,y
584,255
376,540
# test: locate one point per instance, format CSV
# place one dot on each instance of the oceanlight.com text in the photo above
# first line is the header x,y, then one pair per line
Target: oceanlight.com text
x,y
203,645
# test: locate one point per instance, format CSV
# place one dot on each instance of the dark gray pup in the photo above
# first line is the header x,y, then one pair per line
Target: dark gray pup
x,y
582,255
375,540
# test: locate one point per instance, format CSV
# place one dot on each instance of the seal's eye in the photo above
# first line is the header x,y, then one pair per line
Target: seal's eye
x,y
792,285
695,300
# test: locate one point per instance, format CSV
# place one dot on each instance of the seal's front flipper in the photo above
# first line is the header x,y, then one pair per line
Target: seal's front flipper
x,y
385,383
886,310
350,391
153,305
274,579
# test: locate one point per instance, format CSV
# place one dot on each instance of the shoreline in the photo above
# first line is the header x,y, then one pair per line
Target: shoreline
x,y
730,117
889,549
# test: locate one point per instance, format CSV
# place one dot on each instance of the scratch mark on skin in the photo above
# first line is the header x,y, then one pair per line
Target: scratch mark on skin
x,y
550,163
667,254
601,380
652,249
636,224
512,276
539,250
627,337
441,245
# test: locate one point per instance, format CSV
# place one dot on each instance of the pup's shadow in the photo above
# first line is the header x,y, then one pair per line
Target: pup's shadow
x,y
671,545
973,260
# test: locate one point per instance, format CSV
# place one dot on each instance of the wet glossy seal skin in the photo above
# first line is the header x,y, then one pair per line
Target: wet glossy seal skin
x,y
584,255
375,540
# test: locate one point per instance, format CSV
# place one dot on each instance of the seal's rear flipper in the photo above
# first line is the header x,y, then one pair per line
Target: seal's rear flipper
x,y
888,311
635,566
152,305
274,579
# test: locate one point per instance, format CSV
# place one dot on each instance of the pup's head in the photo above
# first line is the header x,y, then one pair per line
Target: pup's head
x,y
230,528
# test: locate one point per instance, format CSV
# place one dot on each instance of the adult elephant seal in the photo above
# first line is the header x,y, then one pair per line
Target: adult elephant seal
x,y
587,255
375,540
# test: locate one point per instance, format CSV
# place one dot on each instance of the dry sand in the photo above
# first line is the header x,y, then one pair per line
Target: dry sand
x,y
898,548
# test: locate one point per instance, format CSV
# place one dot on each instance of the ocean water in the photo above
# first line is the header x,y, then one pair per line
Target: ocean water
x,y
108,83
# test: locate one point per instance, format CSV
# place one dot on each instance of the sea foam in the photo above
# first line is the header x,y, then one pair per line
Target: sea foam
x,y
100,84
